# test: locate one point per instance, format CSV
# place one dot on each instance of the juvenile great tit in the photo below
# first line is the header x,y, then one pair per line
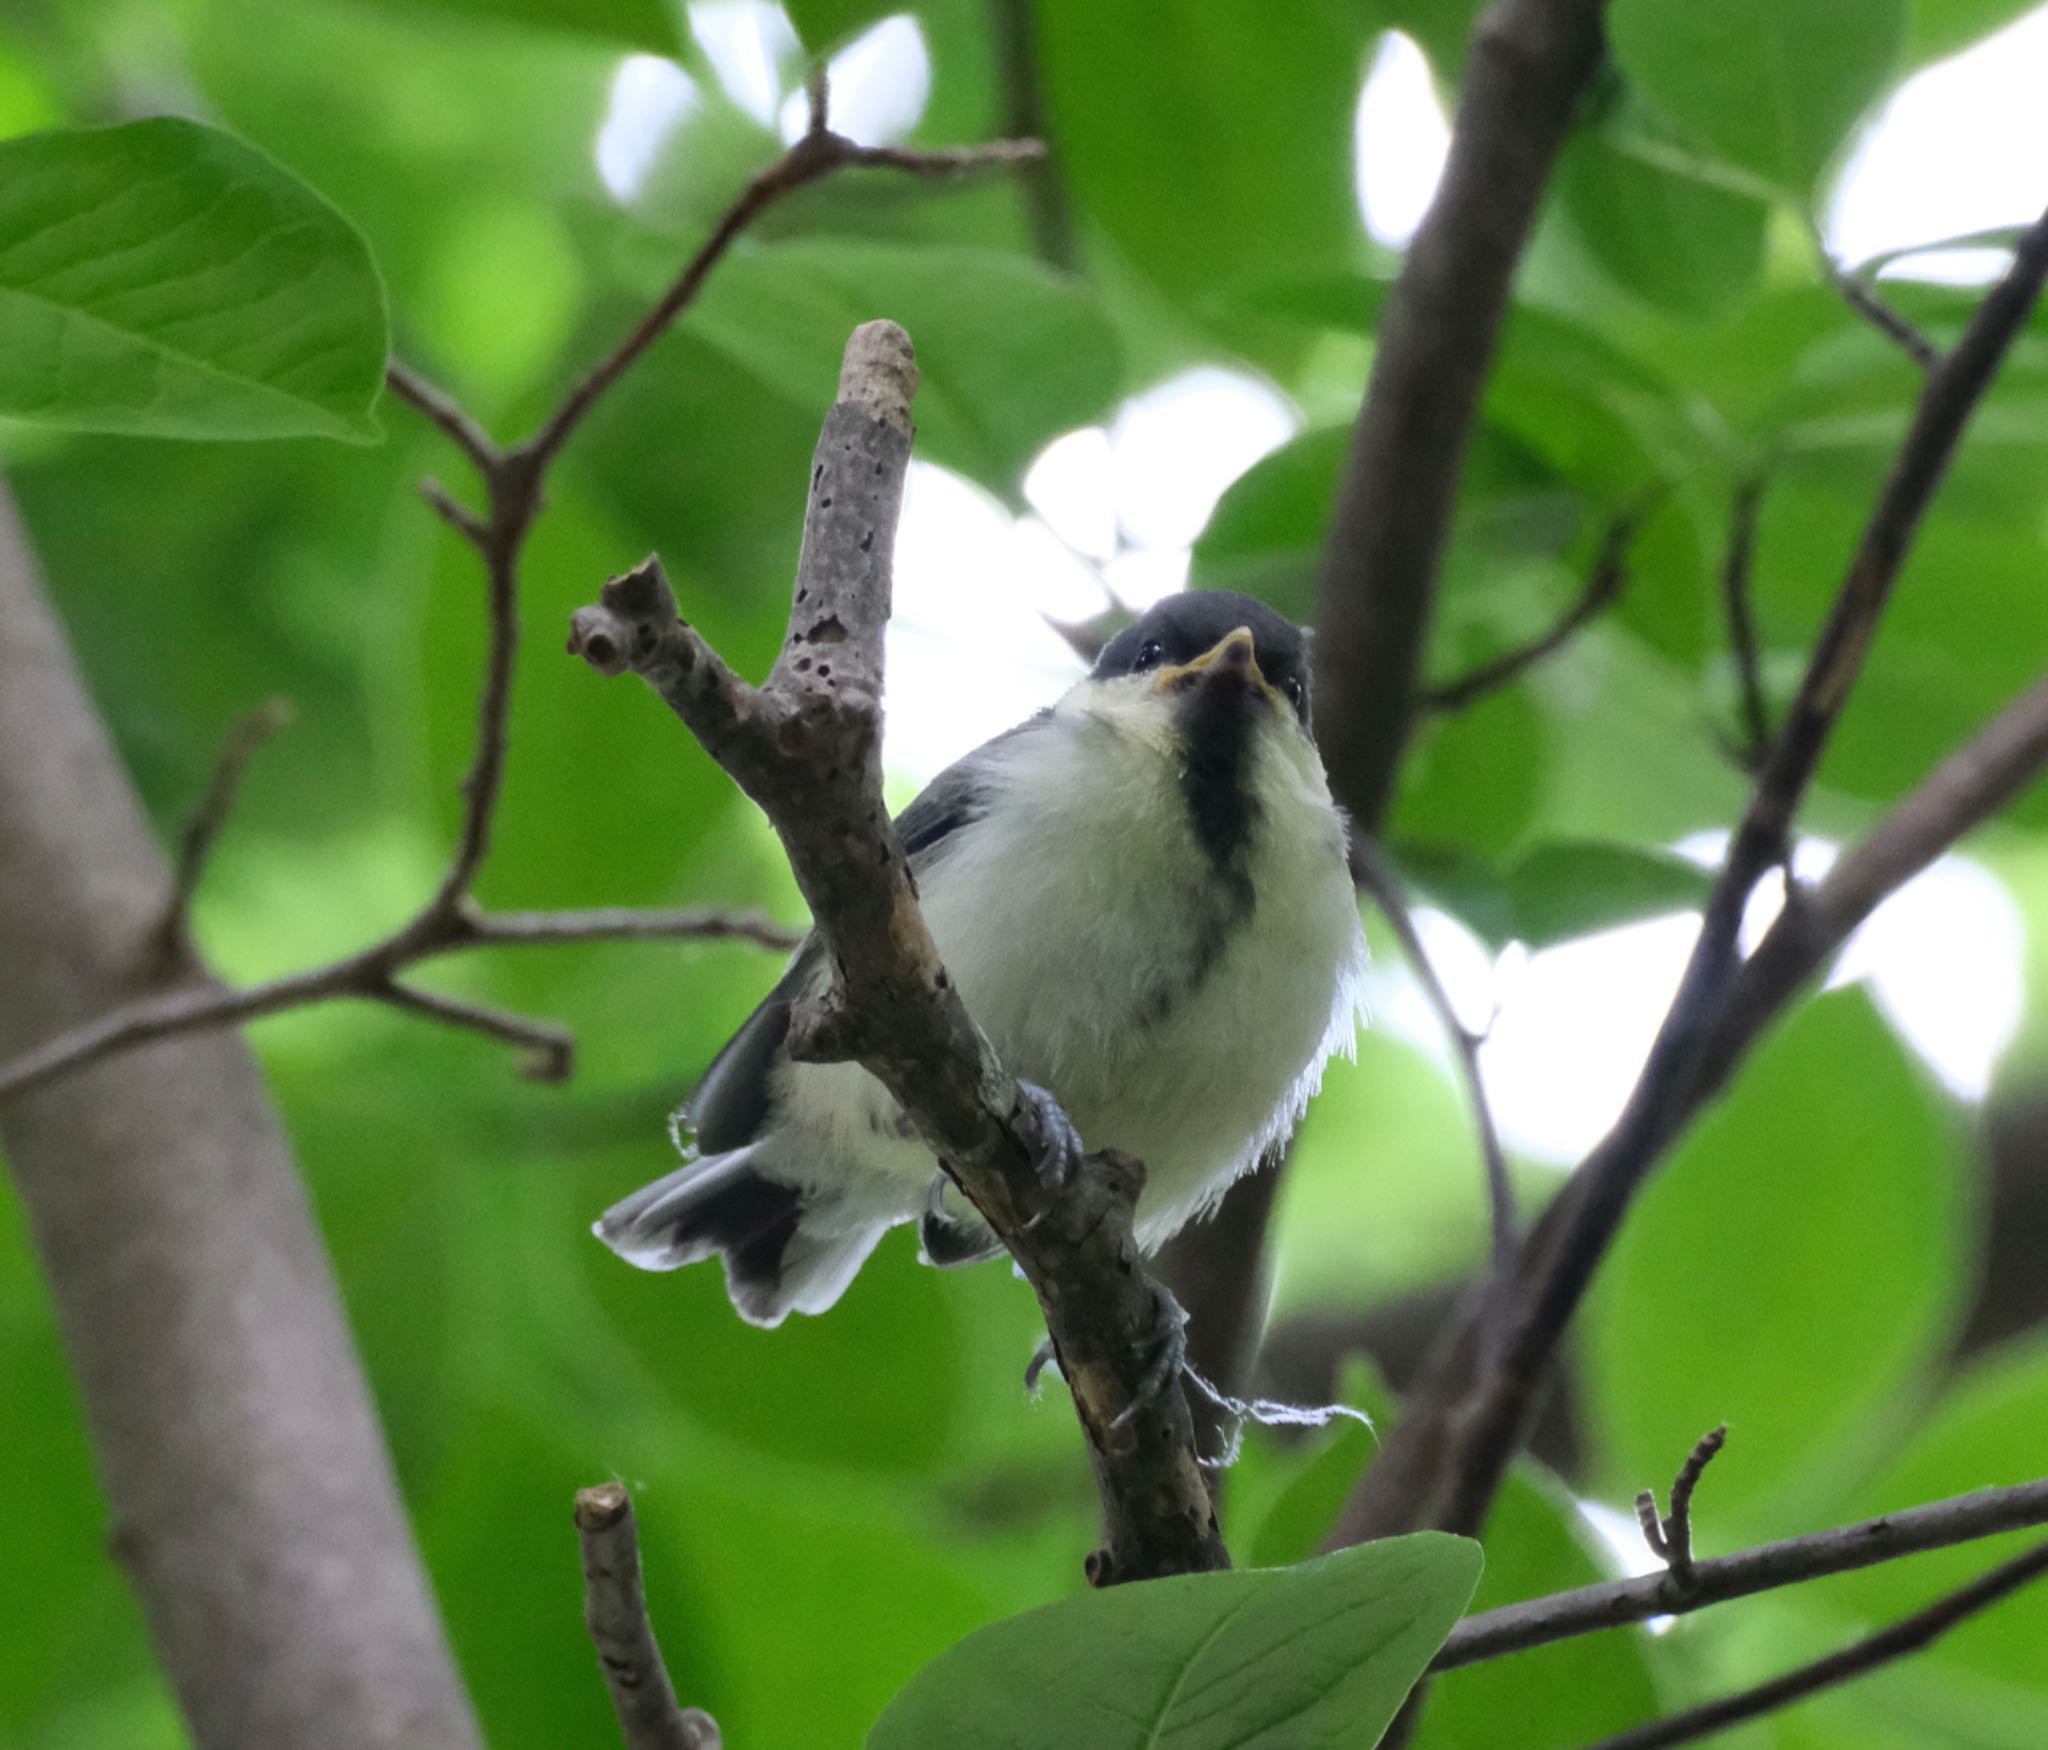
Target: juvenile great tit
x,y
1142,896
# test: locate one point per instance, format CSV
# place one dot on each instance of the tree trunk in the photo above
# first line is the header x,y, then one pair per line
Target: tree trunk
x,y
251,1495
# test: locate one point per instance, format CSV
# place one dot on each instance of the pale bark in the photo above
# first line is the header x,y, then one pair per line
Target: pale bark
x,y
250,1496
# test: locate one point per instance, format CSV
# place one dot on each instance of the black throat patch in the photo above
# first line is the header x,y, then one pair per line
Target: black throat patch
x,y
1223,813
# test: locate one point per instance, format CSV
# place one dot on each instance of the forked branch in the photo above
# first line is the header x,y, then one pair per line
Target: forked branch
x,y
805,745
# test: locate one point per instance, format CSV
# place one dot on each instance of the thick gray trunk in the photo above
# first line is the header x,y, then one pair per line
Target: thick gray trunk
x,y
252,1501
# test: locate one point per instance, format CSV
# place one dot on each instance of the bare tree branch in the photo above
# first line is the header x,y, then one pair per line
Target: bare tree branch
x,y
1737,570
1909,1636
817,155
1445,1458
1613,1603
1528,63
615,1612
195,1008
250,1496
1604,584
1995,766
806,747
248,734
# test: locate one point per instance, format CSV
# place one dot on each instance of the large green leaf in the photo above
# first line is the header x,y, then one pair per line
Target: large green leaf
x,y
1009,353
1985,1430
1281,1658
1772,86
163,278
1662,228
1208,140
1941,27
1791,1272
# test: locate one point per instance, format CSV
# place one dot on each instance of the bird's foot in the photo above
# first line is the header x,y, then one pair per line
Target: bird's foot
x,y
1050,1134
1163,1369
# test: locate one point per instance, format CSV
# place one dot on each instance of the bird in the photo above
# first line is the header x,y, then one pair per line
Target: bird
x,y
1142,896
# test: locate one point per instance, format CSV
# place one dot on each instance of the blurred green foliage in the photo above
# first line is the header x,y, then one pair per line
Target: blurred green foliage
x,y
830,1506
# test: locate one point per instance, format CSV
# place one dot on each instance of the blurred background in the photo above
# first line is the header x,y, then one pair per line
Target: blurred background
x,y
1139,372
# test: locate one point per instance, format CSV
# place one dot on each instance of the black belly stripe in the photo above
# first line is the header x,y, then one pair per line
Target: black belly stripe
x,y
1215,783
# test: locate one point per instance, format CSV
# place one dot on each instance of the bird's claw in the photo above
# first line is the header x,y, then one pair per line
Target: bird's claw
x,y
1164,1368
1054,1142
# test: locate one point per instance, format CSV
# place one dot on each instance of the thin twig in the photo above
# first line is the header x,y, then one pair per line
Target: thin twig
x,y
818,154
1870,304
1670,1538
465,522
615,1612
1737,573
1718,1579
195,844
198,1008
1445,1459
550,1052
805,745
442,409
625,923
1369,869
1604,584
1903,1638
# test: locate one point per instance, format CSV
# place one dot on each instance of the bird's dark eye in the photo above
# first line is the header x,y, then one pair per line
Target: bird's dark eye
x,y
1148,655
1291,686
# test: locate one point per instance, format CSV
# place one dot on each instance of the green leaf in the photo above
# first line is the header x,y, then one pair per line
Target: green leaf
x,y
1772,86
164,279
1791,1271
1323,1470
1207,143
1941,27
1476,777
1984,1430
1660,227
1567,888
822,25
1009,353
1285,1658
1560,1696
1265,535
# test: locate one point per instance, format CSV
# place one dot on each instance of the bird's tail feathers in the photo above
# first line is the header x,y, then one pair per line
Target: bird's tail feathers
x,y
784,1250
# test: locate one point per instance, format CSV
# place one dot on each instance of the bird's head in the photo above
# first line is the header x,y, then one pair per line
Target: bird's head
x,y
1213,676
1209,653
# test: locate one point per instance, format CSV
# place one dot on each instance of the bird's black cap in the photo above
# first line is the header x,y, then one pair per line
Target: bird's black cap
x,y
1182,627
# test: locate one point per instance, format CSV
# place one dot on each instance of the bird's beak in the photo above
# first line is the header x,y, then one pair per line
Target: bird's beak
x,y
1231,659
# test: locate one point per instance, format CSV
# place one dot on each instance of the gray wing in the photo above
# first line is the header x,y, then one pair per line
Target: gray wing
x,y
731,1102
958,796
